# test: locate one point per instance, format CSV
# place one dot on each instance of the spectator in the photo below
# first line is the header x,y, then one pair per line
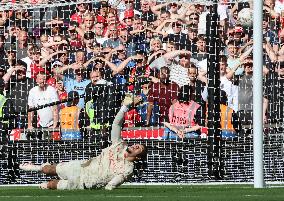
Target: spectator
x,y
183,117
101,104
62,94
7,115
21,44
164,93
3,58
82,9
234,59
38,96
274,96
178,67
146,14
10,58
228,120
76,81
37,65
196,91
69,118
112,35
99,32
89,40
19,88
140,73
201,52
269,34
126,40
245,95
180,39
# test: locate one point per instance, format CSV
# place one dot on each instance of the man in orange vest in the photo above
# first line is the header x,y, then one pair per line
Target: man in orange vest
x,y
69,118
229,119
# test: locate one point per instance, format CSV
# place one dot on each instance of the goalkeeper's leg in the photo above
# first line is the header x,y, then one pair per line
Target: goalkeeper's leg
x,y
61,184
45,168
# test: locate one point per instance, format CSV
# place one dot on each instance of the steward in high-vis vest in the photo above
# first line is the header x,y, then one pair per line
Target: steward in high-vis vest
x,y
7,123
69,118
184,117
101,104
7,114
229,119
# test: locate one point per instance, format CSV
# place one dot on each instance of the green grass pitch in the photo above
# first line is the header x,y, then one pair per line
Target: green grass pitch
x,y
153,193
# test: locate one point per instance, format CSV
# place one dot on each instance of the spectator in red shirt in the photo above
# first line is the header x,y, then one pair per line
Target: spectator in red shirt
x,y
62,94
36,65
128,18
132,118
81,10
164,93
103,8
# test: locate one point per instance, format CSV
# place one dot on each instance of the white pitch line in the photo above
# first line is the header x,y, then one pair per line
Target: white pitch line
x,y
252,195
112,196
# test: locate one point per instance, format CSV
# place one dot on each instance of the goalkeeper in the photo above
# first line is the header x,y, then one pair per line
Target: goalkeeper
x,y
109,169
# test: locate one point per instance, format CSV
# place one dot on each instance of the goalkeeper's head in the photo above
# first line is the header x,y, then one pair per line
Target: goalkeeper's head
x,y
136,152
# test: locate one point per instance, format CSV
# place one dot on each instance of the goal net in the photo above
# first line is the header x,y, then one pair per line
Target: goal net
x,y
66,68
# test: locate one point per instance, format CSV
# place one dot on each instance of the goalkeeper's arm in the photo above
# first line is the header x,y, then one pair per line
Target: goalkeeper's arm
x,y
117,124
115,182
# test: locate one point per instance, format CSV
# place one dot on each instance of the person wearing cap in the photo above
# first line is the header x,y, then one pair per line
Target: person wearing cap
x,y
54,75
181,39
141,71
245,94
127,18
69,118
19,87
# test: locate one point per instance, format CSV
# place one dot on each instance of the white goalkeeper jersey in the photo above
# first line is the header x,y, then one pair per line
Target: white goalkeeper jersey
x,y
110,167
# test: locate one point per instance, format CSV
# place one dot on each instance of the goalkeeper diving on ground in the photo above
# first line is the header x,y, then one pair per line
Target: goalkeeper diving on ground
x,y
110,169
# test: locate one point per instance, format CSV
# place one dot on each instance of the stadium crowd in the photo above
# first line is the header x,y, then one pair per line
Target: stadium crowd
x,y
95,54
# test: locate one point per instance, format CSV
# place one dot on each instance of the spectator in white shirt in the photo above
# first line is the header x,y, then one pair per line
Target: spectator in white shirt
x,y
40,95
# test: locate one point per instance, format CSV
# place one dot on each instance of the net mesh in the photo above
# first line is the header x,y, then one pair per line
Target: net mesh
x,y
68,66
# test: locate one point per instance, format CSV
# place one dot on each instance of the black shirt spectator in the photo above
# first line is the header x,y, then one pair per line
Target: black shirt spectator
x,y
274,92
